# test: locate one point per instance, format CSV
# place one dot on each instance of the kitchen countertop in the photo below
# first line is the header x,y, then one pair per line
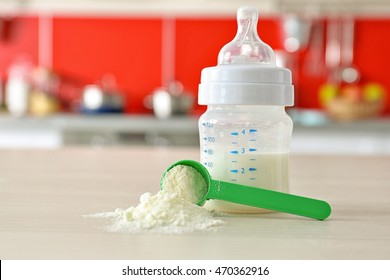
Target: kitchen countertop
x,y
45,193
312,132
97,130
185,123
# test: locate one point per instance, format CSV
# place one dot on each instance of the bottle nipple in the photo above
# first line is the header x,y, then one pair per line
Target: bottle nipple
x,y
246,47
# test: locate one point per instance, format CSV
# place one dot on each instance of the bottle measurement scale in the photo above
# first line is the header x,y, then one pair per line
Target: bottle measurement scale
x,y
245,132
236,156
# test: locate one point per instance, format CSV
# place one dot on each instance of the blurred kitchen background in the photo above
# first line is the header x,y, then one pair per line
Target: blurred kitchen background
x,y
106,73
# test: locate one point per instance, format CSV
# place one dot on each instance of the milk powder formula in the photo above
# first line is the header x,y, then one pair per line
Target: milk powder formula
x,y
172,210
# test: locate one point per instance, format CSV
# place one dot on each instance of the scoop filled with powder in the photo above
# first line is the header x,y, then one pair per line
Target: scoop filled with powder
x,y
190,172
186,182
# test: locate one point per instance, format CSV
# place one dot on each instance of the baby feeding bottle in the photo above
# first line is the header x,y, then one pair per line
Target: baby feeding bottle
x,y
245,133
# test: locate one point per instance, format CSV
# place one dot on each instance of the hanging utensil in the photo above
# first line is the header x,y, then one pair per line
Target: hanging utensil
x,y
314,58
348,72
332,52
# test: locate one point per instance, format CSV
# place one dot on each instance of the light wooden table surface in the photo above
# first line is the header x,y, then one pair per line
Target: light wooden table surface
x,y
43,195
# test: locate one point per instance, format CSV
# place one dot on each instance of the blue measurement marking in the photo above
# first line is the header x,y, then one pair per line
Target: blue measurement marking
x,y
234,161
204,138
203,124
253,140
205,163
234,142
234,170
252,130
234,180
252,150
234,133
252,179
252,159
234,152
252,169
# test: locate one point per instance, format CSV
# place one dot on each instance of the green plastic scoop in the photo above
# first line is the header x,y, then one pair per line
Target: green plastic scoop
x,y
258,197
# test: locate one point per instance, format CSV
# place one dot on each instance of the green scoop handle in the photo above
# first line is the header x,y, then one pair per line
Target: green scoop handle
x,y
259,197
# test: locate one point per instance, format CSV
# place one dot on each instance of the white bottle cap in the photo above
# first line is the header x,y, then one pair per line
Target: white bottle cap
x,y
246,73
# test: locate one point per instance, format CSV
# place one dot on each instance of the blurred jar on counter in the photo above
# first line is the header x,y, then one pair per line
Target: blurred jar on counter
x,y
102,97
2,105
170,101
43,99
18,87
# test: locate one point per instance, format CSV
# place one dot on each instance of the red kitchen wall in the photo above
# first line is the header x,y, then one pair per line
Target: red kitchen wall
x,y
86,48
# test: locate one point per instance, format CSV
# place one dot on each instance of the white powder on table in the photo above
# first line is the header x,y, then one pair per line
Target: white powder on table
x,y
171,210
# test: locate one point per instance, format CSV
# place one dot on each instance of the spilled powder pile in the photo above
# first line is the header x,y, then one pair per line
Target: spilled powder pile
x,y
171,210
